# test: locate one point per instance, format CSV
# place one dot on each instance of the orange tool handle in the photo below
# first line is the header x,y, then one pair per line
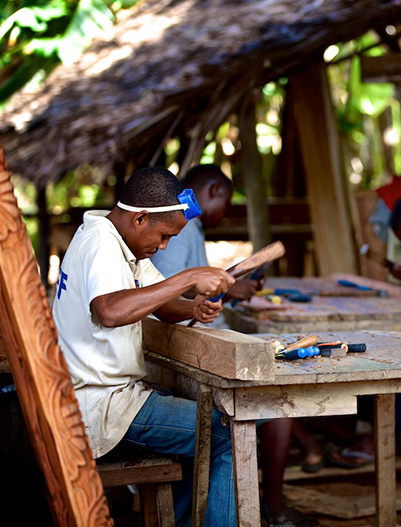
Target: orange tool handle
x,y
303,343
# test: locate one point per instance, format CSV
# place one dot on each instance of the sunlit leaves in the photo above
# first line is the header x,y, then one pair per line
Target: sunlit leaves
x,y
369,98
42,33
90,17
34,18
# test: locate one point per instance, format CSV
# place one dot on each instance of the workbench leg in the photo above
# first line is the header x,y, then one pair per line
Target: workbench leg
x,y
386,513
243,437
204,406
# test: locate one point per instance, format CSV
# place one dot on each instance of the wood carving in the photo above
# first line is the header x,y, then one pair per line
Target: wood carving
x,y
41,376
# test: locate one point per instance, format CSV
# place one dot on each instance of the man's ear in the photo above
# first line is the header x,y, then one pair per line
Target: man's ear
x,y
141,217
215,189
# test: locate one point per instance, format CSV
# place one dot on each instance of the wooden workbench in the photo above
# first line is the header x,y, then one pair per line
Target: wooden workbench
x,y
332,308
312,387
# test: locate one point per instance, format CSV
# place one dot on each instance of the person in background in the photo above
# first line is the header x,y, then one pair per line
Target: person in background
x,y
107,285
213,191
394,252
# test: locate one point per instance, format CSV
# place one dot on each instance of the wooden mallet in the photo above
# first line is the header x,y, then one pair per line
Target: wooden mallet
x,y
267,254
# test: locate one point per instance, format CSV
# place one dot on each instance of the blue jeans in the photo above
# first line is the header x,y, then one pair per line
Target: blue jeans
x,y
166,424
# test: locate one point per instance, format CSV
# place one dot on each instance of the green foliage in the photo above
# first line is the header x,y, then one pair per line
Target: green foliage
x,y
360,109
368,98
75,190
36,35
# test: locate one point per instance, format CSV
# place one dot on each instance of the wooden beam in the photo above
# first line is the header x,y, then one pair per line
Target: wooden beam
x,y
386,510
221,351
137,472
243,437
256,206
334,224
386,68
202,454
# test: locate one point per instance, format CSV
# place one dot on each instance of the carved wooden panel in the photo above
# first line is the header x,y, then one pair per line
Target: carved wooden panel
x,y
41,376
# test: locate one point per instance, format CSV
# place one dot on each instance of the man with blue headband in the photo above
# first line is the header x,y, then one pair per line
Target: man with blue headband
x,y
107,285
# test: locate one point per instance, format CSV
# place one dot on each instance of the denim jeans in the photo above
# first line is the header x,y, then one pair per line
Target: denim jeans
x,y
166,424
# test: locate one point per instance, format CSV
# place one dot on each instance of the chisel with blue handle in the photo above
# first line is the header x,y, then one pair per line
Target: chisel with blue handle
x,y
347,283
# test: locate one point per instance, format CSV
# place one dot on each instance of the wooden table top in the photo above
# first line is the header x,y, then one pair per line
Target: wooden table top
x,y
328,305
381,361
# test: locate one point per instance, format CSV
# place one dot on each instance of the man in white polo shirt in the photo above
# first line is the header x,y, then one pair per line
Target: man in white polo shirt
x,y
107,285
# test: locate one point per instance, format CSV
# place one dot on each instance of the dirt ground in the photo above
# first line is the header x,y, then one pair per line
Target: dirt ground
x,y
342,494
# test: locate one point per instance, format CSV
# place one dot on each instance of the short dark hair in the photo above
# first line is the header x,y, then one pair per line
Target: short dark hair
x,y
395,217
153,187
200,175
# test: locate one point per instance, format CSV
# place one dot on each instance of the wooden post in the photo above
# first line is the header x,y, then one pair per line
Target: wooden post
x,y
44,232
256,205
243,437
330,199
202,454
386,512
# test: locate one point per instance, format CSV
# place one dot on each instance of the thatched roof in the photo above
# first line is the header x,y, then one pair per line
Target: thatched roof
x,y
166,66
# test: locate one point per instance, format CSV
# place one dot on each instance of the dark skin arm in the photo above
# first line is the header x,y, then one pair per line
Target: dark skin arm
x,y
163,299
241,289
396,269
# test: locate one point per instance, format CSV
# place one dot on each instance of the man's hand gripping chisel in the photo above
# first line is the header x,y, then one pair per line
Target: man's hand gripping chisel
x,y
267,254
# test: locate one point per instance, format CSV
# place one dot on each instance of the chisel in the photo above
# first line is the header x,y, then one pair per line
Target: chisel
x,y
297,350
339,349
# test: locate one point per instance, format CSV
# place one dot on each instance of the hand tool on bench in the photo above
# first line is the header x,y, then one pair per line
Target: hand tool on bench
x,y
267,254
339,349
363,288
301,349
309,347
294,295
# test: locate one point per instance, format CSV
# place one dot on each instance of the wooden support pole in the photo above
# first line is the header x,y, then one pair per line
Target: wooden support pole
x,y
202,454
165,505
386,512
243,437
44,233
332,208
256,205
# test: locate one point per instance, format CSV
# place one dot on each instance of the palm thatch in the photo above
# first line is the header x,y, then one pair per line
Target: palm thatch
x,y
166,68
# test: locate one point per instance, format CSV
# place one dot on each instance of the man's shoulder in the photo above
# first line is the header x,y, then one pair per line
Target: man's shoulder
x,y
94,233
191,229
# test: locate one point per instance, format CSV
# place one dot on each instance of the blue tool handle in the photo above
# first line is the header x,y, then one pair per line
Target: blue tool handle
x,y
216,298
281,292
300,298
299,353
347,283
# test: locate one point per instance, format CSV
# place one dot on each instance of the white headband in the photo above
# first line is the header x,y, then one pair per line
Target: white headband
x,y
180,206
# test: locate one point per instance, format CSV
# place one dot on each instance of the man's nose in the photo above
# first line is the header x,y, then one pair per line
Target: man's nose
x,y
163,245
